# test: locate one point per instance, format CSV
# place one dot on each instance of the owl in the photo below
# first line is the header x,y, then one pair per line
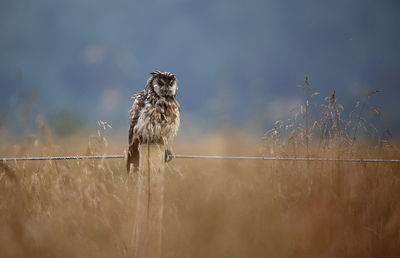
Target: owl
x,y
154,116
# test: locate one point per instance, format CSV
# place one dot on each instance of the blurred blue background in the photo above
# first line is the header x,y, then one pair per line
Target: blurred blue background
x,y
238,62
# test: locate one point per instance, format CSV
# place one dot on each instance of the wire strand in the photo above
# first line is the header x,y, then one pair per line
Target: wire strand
x,y
63,158
205,157
283,158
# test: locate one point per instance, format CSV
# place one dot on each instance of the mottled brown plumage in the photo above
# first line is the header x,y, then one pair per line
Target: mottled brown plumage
x,y
154,116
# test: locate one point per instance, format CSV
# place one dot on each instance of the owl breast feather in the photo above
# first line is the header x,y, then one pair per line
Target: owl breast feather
x,y
158,121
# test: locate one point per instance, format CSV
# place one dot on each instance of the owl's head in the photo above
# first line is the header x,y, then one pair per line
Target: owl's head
x,y
164,84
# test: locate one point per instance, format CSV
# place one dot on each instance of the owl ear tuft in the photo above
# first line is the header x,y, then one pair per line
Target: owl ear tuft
x,y
156,72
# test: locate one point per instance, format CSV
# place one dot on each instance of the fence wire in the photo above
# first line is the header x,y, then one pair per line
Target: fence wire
x,y
205,157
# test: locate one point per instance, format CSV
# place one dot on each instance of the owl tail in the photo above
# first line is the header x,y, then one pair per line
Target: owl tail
x,y
133,156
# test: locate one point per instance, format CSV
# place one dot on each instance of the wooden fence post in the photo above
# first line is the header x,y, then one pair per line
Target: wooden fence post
x,y
149,209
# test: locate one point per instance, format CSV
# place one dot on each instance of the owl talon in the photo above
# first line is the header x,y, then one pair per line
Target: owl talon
x,y
168,155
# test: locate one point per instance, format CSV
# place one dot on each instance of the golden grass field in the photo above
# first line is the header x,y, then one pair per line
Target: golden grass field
x,y
212,208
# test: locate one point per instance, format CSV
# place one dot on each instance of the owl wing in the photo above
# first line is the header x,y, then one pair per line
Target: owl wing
x,y
133,149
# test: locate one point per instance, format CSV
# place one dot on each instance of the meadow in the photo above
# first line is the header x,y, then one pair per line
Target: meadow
x,y
212,208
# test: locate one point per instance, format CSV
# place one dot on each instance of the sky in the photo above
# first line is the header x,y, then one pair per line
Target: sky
x,y
238,63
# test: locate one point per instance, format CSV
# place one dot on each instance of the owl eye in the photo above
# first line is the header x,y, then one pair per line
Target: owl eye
x,y
161,83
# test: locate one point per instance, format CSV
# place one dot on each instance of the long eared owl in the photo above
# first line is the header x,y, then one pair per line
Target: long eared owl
x,y
154,116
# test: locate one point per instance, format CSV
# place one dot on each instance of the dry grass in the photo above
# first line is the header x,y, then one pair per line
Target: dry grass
x,y
213,208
